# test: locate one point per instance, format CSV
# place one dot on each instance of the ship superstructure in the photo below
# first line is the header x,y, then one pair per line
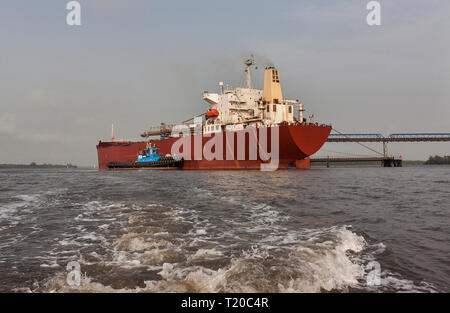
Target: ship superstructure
x,y
235,109
242,107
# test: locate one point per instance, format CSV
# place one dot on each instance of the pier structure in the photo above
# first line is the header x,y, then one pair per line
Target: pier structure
x,y
384,161
384,158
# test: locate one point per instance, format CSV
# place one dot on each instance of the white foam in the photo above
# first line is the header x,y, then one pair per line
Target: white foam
x,y
281,260
138,242
206,254
392,281
92,237
66,242
27,198
167,271
51,265
308,266
201,232
56,191
7,211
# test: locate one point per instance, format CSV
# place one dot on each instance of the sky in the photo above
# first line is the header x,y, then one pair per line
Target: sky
x,y
138,63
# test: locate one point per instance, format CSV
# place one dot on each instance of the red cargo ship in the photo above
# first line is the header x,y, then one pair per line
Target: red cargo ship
x,y
238,122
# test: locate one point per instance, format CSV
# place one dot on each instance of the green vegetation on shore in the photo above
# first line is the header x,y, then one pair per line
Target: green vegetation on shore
x,y
438,160
35,165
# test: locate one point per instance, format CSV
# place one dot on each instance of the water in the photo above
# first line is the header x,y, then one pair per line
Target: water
x,y
226,231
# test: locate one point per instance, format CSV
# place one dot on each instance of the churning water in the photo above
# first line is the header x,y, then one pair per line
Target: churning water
x,y
226,231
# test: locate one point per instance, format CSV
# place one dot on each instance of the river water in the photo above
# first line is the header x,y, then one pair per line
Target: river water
x,y
348,229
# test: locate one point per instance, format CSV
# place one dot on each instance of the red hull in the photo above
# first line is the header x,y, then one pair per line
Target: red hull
x,y
296,142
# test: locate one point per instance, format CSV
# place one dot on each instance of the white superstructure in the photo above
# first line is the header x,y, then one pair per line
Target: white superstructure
x,y
234,109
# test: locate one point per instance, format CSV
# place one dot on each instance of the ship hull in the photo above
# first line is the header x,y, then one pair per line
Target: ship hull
x,y
295,142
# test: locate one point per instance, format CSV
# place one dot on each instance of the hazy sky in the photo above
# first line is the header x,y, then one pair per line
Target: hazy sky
x,y
138,63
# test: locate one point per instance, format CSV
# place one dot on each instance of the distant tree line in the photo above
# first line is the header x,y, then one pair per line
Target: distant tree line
x,y
35,165
438,159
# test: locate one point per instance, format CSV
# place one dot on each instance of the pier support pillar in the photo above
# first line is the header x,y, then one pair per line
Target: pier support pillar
x,y
303,164
391,162
386,163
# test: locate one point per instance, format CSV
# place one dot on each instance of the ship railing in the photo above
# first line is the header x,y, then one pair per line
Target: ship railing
x,y
165,129
288,101
158,130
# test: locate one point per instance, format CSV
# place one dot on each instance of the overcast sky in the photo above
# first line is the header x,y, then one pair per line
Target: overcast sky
x,y
138,63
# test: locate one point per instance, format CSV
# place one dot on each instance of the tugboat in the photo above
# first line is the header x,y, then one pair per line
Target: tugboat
x,y
149,158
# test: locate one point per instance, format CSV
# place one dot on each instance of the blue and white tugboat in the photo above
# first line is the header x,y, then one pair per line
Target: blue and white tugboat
x,y
149,159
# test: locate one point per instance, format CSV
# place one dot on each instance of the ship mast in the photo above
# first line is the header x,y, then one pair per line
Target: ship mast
x,y
112,133
248,63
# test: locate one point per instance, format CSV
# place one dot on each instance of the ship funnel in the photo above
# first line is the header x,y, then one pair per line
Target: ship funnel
x,y
272,88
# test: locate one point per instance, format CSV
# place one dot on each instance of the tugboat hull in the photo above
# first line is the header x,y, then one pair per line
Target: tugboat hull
x,y
165,162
